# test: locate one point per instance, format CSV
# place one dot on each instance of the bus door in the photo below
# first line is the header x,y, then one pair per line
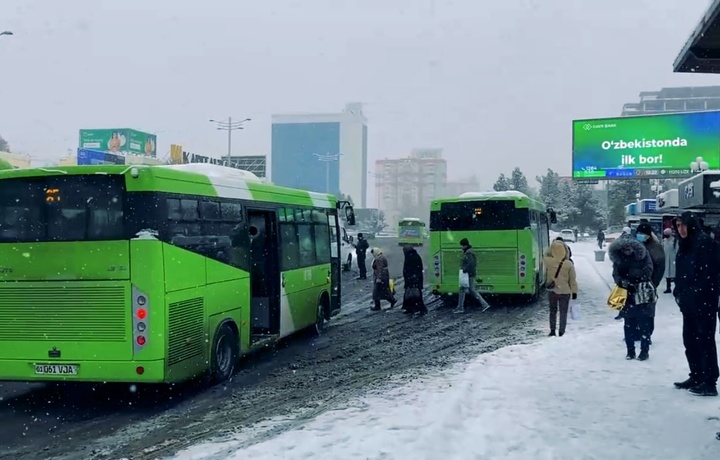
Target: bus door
x,y
264,272
335,262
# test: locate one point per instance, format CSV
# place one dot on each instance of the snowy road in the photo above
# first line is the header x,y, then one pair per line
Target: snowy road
x,y
574,397
361,352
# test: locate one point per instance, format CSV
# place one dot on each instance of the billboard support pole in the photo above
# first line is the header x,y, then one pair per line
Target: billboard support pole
x,y
327,158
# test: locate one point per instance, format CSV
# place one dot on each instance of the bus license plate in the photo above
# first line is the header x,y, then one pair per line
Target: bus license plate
x,y
56,369
484,288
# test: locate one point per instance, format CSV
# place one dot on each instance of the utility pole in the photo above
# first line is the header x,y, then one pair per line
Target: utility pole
x,y
230,126
327,158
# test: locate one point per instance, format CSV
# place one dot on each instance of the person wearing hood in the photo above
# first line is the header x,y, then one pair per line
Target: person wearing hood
x,y
670,244
561,284
646,236
413,276
697,286
633,270
381,280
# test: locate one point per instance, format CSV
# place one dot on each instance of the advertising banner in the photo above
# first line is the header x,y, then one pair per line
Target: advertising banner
x,y
645,146
119,140
96,157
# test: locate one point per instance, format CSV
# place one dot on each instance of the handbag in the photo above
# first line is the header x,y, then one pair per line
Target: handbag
x,y
645,293
464,279
551,283
413,293
617,298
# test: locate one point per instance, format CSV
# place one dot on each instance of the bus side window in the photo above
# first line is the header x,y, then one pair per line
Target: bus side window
x,y
322,242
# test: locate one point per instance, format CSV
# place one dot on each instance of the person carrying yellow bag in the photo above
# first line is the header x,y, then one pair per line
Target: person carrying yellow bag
x,y
382,289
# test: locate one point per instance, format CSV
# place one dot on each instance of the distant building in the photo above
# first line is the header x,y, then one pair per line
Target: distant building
x,y
458,187
256,164
668,100
406,186
325,152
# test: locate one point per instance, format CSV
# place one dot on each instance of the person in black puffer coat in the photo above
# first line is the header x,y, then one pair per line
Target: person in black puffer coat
x,y
697,286
413,275
633,266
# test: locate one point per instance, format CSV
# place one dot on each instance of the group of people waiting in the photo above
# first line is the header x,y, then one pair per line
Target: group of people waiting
x,y
413,271
689,258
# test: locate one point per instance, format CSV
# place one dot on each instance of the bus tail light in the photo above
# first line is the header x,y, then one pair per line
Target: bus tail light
x,y
141,318
522,266
436,265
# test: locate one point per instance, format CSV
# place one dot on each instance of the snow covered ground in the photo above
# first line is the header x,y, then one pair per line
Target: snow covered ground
x,y
572,397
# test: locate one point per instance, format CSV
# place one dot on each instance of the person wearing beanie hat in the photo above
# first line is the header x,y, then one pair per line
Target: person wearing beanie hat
x,y
646,236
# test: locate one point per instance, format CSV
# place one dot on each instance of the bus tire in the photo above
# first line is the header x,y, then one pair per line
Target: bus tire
x,y
322,315
224,354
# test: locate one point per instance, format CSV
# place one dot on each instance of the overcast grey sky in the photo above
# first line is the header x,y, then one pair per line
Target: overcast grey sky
x,y
493,82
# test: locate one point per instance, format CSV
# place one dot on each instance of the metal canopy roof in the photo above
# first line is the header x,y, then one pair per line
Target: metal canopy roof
x,y
701,53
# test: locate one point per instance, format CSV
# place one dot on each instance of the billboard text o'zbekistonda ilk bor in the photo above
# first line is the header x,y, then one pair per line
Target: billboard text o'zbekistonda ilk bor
x,y
645,146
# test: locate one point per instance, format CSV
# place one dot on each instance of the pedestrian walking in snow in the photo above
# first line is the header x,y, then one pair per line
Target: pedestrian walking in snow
x,y
600,238
469,266
646,236
670,244
633,270
561,284
697,285
413,275
381,280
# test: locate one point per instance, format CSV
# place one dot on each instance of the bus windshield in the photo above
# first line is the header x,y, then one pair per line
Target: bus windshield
x,y
479,215
61,208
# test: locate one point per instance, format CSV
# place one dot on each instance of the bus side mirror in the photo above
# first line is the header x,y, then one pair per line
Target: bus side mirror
x,y
349,215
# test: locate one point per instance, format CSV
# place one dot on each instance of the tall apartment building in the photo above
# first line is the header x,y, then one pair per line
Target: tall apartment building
x,y
406,186
322,152
667,100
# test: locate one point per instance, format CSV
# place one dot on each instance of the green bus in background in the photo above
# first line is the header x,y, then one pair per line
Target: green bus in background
x,y
157,273
509,232
411,231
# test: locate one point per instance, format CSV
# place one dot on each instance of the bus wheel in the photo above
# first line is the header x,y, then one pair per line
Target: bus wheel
x,y
320,319
224,354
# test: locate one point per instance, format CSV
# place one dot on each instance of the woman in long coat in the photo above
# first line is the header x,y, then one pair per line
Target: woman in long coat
x,y
670,247
381,280
413,276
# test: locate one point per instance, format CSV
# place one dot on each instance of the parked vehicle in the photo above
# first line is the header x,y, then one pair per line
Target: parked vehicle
x,y
568,235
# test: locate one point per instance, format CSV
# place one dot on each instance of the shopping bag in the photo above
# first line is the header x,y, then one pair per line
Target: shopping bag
x,y
574,311
617,298
464,280
645,293
391,285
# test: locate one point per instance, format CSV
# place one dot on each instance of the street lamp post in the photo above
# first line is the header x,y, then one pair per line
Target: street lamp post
x,y
230,126
699,165
327,158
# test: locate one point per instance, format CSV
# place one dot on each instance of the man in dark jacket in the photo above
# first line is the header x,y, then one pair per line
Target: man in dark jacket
x,y
360,253
697,285
644,234
469,266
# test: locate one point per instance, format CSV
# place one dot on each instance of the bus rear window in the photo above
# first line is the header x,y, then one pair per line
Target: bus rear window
x,y
411,223
481,215
62,208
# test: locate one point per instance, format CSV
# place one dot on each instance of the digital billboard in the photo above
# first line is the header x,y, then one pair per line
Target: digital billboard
x,y
645,146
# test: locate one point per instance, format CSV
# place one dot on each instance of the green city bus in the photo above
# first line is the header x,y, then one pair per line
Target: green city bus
x,y
411,231
150,274
509,232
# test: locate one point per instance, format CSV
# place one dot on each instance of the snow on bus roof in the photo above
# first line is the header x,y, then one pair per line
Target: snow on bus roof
x,y
410,219
211,170
507,193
